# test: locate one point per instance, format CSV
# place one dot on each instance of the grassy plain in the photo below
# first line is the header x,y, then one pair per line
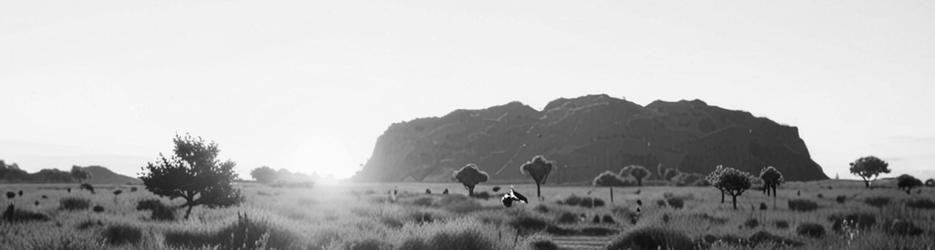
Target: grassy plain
x,y
363,216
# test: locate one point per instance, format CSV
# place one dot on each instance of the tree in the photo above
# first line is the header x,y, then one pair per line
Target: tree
x,y
264,174
733,182
538,168
610,180
868,168
470,176
771,179
193,173
907,182
638,172
80,174
714,177
670,174
930,183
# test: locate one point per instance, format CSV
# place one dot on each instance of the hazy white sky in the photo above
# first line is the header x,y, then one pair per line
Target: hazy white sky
x,y
309,85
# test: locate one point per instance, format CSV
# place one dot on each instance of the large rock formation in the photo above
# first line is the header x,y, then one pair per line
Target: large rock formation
x,y
586,136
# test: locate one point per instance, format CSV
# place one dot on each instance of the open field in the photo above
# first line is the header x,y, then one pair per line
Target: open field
x,y
361,216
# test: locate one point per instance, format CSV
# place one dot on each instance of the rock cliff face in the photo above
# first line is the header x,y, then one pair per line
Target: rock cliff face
x,y
585,136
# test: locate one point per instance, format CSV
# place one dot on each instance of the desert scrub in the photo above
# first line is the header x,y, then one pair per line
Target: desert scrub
x,y
921,203
861,221
243,232
651,238
122,234
809,229
877,201
74,203
802,205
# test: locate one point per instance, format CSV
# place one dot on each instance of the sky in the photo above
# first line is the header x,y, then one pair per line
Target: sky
x,y
310,85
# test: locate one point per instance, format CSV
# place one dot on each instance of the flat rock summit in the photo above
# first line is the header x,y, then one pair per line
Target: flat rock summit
x,y
586,136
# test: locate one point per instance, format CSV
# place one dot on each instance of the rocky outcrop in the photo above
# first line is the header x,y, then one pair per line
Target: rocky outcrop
x,y
586,136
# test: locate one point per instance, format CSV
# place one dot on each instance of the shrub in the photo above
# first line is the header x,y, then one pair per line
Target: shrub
x,y
527,223
160,212
74,203
133,189
763,206
87,186
781,224
543,244
902,228
88,224
877,201
423,201
840,199
651,238
98,209
609,219
751,223
566,218
541,208
243,232
802,205
856,220
809,229
122,234
11,214
764,237
921,203
572,200
148,204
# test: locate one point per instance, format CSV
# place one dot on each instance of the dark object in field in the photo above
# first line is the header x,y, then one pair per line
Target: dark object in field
x,y
639,202
907,183
10,195
921,203
771,179
511,197
798,193
666,218
820,196
496,189
901,228
482,195
751,223
802,205
841,199
37,203
12,215
118,192
470,176
764,237
122,234
567,218
243,232
74,203
763,206
809,229
608,219
428,191
86,186
781,224
676,202
538,168
661,203
878,202
541,208
543,244
861,221
21,193
596,220
445,192
730,181
651,238
930,182
98,209
133,189
45,196
69,190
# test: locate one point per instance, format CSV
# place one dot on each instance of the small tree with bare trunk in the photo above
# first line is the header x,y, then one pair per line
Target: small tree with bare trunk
x,y
470,176
538,168
771,179
733,182
637,172
868,168
610,180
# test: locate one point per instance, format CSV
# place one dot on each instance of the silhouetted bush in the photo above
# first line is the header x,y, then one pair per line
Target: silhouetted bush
x,y
86,186
528,223
122,234
802,205
160,212
88,224
751,223
98,209
651,238
877,201
852,220
809,229
608,219
543,244
763,206
902,228
74,203
243,232
133,189
764,237
781,224
13,215
921,203
841,199
567,217
676,202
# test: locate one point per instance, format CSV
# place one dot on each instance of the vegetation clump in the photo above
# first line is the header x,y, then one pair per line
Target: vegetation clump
x,y
470,176
921,203
878,202
730,181
639,173
868,168
122,234
802,205
901,228
809,229
907,182
74,203
243,232
651,238
538,169
841,222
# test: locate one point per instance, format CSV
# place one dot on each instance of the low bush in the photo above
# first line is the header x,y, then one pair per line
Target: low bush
x,y
608,219
901,228
528,223
751,223
423,201
98,209
764,237
877,201
122,234
841,199
809,229
13,215
89,224
74,203
840,222
781,224
802,205
651,238
243,232
921,203
567,218
543,244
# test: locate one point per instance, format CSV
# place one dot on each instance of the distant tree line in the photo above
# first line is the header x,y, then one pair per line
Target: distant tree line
x,y
11,173
282,177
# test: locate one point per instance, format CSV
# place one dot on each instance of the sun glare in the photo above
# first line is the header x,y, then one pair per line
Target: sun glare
x,y
324,155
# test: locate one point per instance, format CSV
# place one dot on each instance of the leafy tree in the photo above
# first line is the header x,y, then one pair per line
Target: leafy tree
x,y
193,173
264,174
713,178
80,174
610,180
470,176
869,168
733,182
538,168
930,183
771,179
637,172
907,182
670,174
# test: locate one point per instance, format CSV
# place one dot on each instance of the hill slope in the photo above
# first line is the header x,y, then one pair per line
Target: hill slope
x,y
102,175
585,136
